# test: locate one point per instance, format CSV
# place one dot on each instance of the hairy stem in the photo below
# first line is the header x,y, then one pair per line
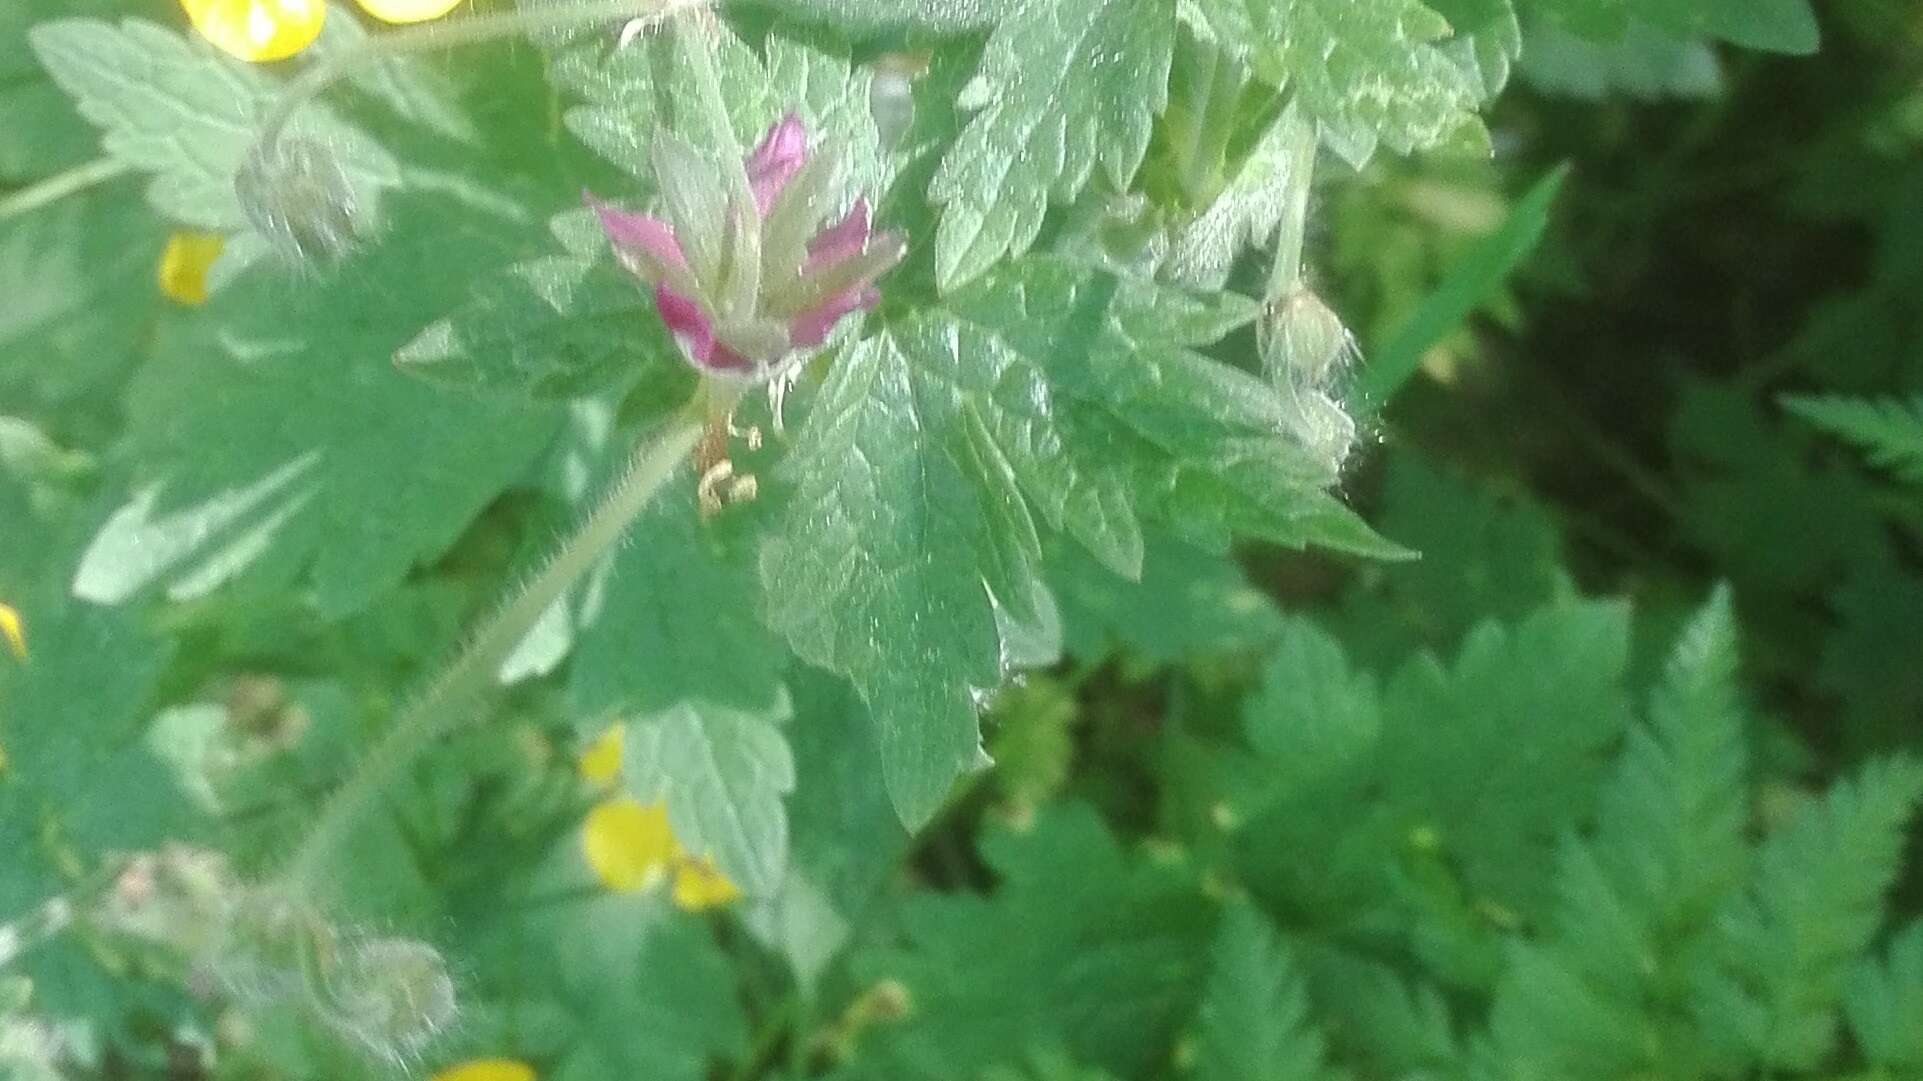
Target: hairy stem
x,y
438,36
1301,135
458,692
60,185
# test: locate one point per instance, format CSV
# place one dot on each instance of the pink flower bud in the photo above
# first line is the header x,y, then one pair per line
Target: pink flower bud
x,y
736,322
774,161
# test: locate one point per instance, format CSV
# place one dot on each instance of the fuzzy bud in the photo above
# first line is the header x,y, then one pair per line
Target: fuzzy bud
x,y
1307,355
1305,343
393,996
297,194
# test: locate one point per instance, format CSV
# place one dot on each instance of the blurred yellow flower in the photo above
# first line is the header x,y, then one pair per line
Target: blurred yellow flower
x,y
699,885
258,30
600,764
184,265
628,844
487,1069
630,847
408,11
14,631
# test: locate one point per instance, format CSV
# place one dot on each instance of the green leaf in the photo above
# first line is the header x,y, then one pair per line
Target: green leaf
x,y
43,133
648,998
1784,26
940,16
1312,717
1889,430
1469,283
1884,1004
79,781
1777,26
1063,88
1548,1021
1787,943
1372,1012
1673,816
1488,38
659,82
1090,387
723,774
1642,64
1187,605
180,109
555,327
269,456
673,619
406,85
1081,947
1485,554
1253,1024
1368,71
1503,751
1043,384
1265,187
846,843
78,278
877,571
1668,851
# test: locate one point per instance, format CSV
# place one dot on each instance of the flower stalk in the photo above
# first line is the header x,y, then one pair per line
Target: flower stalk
x,y
1286,276
57,187
461,687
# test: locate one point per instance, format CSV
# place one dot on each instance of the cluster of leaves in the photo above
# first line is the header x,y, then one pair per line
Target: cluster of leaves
x,y
1427,831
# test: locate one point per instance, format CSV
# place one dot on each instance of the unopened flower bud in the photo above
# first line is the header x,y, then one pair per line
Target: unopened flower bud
x,y
297,194
393,996
1304,342
1307,354
743,270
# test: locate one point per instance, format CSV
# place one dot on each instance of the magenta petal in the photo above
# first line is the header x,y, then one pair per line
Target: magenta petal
x,y
688,323
842,240
773,163
812,326
640,232
695,333
727,360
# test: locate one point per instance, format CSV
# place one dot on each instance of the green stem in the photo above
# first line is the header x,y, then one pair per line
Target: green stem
x,y
1290,233
438,36
59,186
457,693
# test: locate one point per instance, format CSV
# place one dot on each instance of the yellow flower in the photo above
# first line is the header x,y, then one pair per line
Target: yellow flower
x,y
628,844
13,631
258,30
699,885
600,764
487,1069
631,847
184,265
408,11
